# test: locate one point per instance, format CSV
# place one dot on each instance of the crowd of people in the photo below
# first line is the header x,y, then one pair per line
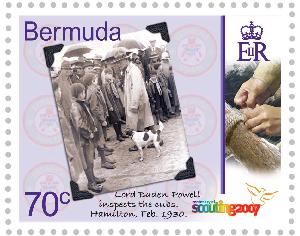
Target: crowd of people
x,y
135,89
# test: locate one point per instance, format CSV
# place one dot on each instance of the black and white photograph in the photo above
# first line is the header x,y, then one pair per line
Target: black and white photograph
x,y
119,113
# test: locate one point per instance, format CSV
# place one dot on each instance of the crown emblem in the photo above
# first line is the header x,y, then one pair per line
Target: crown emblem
x,y
252,31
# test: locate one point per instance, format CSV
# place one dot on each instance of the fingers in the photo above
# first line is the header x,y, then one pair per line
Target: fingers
x,y
251,100
241,97
249,93
254,119
259,128
251,123
245,98
251,113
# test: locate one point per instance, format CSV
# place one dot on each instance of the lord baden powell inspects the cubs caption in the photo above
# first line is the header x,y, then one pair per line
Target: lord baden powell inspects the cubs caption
x,y
113,105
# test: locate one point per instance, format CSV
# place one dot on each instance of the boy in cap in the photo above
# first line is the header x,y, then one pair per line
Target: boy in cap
x,y
155,96
72,152
78,71
114,103
65,83
86,135
174,95
88,67
97,109
164,75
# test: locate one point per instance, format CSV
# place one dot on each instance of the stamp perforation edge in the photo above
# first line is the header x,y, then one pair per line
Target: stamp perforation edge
x,y
225,6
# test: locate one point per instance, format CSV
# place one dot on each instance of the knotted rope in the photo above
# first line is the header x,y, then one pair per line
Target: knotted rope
x,y
253,152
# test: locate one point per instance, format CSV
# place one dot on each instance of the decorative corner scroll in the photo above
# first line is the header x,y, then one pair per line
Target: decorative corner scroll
x,y
49,53
77,194
189,172
161,28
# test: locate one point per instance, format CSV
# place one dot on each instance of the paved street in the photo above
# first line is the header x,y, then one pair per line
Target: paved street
x,y
131,172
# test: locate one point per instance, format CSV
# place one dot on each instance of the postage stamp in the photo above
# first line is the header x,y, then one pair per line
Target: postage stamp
x,y
149,116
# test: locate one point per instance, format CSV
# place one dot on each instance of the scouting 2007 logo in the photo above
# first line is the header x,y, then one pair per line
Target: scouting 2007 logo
x,y
259,196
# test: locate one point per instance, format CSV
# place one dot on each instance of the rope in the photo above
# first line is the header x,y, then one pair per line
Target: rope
x,y
253,152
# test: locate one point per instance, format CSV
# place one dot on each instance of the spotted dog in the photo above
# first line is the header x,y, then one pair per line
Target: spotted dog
x,y
145,138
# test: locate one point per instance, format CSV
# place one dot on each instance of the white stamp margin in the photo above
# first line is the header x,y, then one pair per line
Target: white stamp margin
x,y
9,124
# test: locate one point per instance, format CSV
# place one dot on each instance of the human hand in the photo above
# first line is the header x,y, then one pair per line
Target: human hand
x,y
254,91
111,109
104,123
91,135
264,118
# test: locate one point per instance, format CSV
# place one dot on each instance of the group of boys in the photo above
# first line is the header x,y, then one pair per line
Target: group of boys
x,y
90,95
